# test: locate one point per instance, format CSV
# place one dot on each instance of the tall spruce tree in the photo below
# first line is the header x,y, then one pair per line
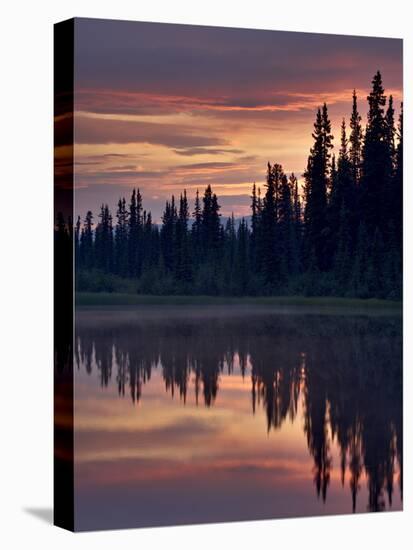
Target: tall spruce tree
x,y
316,184
356,141
297,216
297,208
121,239
196,237
77,243
254,224
256,239
86,242
133,231
286,236
377,164
150,245
269,257
390,130
397,190
210,225
394,258
104,241
183,260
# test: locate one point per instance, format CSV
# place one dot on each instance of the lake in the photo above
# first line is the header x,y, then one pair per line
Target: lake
x,y
195,414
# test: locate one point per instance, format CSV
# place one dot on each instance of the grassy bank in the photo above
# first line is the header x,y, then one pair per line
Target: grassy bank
x,y
117,299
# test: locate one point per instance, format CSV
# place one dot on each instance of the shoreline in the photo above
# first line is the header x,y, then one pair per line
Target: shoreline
x,y
118,299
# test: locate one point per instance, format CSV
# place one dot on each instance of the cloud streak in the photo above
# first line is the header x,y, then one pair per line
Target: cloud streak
x,y
168,107
101,130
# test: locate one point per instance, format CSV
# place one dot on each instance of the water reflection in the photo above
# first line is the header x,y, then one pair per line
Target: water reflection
x,y
345,371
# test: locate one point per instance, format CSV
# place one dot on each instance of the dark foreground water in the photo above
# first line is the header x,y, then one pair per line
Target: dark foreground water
x,y
206,414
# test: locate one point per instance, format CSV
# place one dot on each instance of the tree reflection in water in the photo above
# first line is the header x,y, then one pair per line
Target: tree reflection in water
x,y
346,369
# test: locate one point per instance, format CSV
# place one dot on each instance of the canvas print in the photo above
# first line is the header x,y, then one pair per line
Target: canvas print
x,y
228,274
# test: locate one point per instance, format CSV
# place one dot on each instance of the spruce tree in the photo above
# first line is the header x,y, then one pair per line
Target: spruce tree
x,y
356,141
316,184
196,231
269,229
77,243
390,140
133,235
254,224
139,257
210,225
183,260
121,239
286,236
297,208
397,186
104,241
390,130
86,241
376,162
256,240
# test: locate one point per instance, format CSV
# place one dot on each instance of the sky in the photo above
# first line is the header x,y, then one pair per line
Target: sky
x,y
171,107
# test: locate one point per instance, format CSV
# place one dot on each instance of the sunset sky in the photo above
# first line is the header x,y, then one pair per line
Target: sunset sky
x,y
171,107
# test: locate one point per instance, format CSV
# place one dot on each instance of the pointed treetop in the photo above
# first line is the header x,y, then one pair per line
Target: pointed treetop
x,y
376,100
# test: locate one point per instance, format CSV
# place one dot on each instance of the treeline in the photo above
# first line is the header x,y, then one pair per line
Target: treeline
x,y
342,236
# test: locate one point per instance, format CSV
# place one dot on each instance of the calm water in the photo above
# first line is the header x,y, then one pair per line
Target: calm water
x,y
206,414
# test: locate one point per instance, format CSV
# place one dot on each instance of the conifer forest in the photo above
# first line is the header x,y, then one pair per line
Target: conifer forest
x,y
337,234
